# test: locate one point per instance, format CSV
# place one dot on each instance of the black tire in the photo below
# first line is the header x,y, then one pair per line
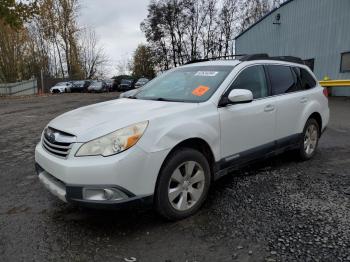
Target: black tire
x,y
173,162
302,152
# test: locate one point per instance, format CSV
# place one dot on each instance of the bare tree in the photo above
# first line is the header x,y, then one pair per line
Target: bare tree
x,y
210,26
123,66
93,58
253,11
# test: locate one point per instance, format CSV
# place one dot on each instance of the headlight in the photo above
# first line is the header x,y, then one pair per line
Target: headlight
x,y
115,142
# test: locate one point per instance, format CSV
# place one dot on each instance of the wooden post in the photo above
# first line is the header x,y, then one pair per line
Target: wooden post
x,y
41,92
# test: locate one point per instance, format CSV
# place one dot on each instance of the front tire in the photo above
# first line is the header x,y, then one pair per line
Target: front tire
x,y
310,138
183,184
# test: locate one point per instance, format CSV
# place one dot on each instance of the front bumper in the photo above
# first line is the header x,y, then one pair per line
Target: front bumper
x,y
56,91
133,172
74,193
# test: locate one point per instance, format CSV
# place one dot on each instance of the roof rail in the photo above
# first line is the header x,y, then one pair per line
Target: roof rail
x,y
254,57
197,61
292,59
224,57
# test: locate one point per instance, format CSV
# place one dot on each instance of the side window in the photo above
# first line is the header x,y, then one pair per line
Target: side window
x,y
345,62
282,79
253,79
306,79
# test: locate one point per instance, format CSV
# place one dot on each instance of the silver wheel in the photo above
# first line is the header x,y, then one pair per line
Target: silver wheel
x,y
310,139
186,185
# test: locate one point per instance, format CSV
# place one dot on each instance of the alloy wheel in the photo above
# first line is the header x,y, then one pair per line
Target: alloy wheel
x,y
310,139
186,185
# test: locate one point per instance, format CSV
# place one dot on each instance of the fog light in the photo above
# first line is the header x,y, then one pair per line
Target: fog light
x,y
103,194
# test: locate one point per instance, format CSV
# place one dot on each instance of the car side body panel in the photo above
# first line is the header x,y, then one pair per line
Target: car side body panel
x,y
199,122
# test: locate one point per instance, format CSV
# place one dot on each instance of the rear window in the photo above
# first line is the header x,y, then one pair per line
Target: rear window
x,y
282,80
306,80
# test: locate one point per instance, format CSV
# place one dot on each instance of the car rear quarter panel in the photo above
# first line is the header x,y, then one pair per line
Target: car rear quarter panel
x,y
318,103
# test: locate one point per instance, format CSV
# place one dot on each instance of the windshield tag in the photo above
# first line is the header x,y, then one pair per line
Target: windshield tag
x,y
206,73
200,90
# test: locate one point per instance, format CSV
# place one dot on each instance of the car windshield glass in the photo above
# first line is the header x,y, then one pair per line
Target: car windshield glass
x,y
187,84
61,84
79,83
142,80
96,84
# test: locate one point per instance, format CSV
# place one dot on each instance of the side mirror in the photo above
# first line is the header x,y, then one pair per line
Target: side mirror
x,y
240,96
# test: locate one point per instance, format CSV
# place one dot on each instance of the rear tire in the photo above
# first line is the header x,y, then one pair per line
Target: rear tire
x,y
183,184
309,141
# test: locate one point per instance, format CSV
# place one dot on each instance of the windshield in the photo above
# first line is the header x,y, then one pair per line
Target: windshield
x,y
142,80
125,82
96,84
187,84
61,84
79,83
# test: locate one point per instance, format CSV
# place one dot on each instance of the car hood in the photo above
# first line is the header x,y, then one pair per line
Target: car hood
x,y
93,121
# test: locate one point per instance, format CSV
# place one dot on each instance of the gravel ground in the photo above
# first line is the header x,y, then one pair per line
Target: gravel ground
x,y
278,210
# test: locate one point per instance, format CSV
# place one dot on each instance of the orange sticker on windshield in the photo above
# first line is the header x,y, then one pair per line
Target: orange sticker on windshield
x,y
200,90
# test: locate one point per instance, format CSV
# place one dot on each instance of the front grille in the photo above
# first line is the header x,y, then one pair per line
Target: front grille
x,y
56,142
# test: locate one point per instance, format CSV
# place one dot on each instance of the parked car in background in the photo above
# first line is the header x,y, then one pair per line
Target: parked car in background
x,y
126,84
80,86
61,87
141,82
109,83
98,86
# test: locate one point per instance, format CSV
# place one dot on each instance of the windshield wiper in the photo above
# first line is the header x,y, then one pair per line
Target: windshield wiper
x,y
166,99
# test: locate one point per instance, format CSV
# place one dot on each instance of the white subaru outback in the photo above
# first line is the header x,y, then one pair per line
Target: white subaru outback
x,y
168,142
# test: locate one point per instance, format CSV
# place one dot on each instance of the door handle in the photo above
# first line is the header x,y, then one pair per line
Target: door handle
x,y
269,108
303,100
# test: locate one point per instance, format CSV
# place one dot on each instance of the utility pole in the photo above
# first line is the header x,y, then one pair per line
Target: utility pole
x,y
42,82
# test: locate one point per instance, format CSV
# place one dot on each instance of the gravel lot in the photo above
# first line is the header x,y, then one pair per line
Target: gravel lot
x,y
279,210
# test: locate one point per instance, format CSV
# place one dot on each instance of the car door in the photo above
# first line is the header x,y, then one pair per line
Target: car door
x,y
247,130
291,102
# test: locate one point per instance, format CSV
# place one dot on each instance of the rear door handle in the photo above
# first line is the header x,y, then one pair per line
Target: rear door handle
x,y
269,108
303,100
